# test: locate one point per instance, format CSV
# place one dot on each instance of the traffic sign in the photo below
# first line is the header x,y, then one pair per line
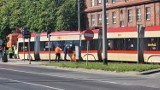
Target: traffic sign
x,y
88,34
48,33
26,34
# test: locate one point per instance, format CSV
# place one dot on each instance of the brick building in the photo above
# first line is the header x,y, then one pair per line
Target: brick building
x,y
123,13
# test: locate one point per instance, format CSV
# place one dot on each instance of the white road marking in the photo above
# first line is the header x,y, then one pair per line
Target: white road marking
x,y
63,76
33,84
27,82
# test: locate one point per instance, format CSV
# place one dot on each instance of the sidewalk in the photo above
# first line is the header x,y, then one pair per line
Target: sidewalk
x,y
23,62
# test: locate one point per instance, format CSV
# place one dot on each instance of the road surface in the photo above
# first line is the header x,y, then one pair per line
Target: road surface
x,y
32,77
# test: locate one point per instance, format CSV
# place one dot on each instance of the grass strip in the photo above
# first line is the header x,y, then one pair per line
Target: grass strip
x,y
117,67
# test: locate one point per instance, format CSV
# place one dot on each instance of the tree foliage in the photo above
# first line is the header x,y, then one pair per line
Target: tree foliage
x,y
37,15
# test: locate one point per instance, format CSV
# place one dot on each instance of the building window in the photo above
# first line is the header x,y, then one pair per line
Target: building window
x,y
107,15
114,17
129,15
113,1
126,0
121,11
92,20
148,13
106,1
138,14
99,19
99,2
121,23
92,3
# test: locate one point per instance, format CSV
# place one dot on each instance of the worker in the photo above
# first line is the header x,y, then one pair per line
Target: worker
x,y
58,53
65,50
74,57
10,51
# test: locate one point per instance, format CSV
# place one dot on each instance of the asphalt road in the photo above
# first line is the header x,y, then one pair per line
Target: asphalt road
x,y
31,77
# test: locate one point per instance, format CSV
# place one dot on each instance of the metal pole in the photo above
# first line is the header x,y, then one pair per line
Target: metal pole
x,y
29,51
138,43
79,27
87,52
140,33
79,12
24,47
49,46
104,33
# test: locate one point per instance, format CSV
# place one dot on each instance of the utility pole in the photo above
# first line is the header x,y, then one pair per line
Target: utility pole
x,y
140,44
22,29
49,44
49,47
24,47
104,33
79,11
29,56
79,29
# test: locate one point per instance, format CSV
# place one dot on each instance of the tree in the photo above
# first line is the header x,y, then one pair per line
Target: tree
x,y
67,16
37,15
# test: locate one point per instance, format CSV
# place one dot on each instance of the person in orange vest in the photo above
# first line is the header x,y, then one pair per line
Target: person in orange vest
x,y
58,53
74,57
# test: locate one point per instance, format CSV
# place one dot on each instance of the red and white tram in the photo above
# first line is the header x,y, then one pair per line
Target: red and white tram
x,y
121,44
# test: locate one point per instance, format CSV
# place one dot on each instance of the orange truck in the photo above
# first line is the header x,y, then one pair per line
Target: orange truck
x,y
12,39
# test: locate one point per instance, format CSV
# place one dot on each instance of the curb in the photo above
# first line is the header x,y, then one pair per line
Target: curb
x,y
14,61
149,72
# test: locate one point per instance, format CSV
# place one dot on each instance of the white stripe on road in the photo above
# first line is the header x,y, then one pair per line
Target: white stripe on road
x,y
33,84
27,82
63,76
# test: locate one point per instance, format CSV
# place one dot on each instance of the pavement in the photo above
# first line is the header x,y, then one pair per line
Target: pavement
x,y
39,63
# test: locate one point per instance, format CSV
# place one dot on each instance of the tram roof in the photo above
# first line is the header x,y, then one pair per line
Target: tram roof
x,y
61,33
32,35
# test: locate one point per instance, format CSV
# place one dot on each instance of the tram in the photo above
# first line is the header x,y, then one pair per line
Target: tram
x,y
121,44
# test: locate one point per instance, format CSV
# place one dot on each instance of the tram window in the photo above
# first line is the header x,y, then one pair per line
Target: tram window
x,y
93,44
55,43
76,42
115,44
158,43
42,46
31,46
110,44
84,45
119,44
151,44
69,43
131,44
122,44
20,46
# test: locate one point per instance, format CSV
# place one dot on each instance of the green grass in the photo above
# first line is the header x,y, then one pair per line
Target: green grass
x,y
118,67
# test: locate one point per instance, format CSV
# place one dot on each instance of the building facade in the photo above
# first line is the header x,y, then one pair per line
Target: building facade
x,y
123,13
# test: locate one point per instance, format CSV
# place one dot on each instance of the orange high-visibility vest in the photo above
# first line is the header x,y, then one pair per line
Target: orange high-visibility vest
x,y
57,50
74,57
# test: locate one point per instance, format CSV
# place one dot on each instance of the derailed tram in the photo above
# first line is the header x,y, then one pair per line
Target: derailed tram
x,y
121,45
